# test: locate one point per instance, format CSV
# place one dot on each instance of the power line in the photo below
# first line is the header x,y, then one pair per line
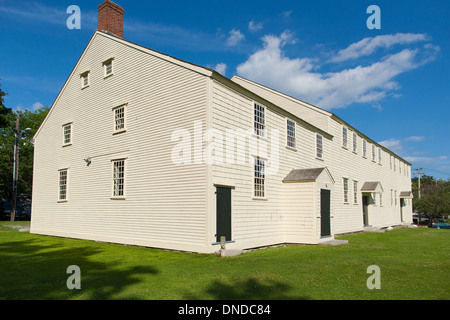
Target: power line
x,y
447,173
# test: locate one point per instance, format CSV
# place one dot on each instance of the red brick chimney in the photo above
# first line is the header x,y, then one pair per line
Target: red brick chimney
x,y
110,18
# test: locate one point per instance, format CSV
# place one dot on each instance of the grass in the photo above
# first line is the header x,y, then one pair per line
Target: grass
x,y
414,264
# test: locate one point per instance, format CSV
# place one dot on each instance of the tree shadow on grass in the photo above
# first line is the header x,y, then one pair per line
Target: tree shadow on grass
x,y
250,289
31,270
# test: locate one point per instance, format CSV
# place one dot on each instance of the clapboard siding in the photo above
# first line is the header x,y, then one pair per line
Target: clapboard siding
x,y
164,202
290,213
285,215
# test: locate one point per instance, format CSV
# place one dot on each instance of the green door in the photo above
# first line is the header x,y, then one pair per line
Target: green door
x,y
223,212
365,206
325,223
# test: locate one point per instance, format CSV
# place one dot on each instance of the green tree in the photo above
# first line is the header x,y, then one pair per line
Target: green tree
x,y
27,119
425,182
3,110
434,200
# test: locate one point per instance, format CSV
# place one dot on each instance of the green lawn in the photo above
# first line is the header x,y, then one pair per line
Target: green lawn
x,y
414,264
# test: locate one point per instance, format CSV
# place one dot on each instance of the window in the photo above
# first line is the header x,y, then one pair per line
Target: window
x,y
364,148
345,190
319,146
392,197
259,190
381,199
119,119
119,178
62,185
355,142
84,79
395,165
395,197
390,161
399,167
67,132
259,124
108,67
355,192
290,133
373,152
379,155
344,137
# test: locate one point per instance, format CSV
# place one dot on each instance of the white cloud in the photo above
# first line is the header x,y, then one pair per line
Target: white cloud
x,y
254,27
298,76
392,144
37,105
221,68
425,159
36,11
396,145
415,138
235,37
368,46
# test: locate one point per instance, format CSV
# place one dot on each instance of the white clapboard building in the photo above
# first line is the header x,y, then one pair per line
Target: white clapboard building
x,y
145,149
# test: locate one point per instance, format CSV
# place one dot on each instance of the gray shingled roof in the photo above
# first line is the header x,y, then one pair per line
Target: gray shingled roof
x,y
303,174
370,186
405,194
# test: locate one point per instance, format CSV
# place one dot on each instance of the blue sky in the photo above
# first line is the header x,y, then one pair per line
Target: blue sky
x,y
392,84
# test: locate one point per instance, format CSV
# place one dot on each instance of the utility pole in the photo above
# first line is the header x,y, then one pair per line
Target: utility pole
x,y
419,172
15,169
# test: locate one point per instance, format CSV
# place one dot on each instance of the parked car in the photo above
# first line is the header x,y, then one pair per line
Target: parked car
x,y
424,218
439,225
23,211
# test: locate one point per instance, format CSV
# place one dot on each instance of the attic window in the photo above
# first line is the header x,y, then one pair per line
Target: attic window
x,y
84,79
108,66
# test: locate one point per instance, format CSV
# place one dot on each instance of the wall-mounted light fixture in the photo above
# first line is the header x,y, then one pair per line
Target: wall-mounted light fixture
x,y
88,161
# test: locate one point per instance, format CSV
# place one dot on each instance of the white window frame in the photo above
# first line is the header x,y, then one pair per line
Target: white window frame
x,y
106,63
373,153
119,181
290,134
355,192
64,186
259,120
379,155
344,137
319,149
355,142
116,111
345,189
259,178
364,148
65,134
85,81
